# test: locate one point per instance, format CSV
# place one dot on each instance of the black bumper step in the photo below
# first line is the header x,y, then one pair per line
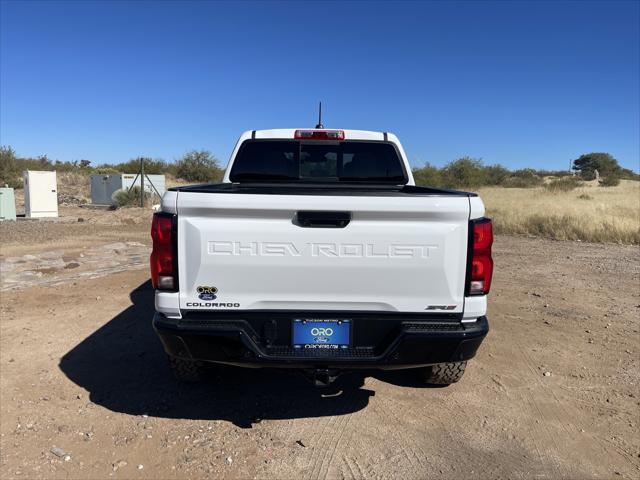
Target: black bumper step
x,y
380,340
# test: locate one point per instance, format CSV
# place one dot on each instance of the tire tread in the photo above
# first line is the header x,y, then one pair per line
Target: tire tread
x,y
445,373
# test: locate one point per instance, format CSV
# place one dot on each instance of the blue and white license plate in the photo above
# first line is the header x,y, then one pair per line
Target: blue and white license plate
x,y
321,333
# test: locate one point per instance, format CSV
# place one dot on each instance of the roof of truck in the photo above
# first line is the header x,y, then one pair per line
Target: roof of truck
x,y
348,134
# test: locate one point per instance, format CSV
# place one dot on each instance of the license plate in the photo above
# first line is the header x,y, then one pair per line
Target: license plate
x,y
321,334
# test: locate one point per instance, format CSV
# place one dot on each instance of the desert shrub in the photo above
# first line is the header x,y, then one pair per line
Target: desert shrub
x,y
564,184
76,166
466,172
73,179
12,166
524,178
584,196
151,166
198,166
553,173
527,173
522,182
105,170
495,175
611,180
427,175
9,171
628,174
40,163
130,198
13,182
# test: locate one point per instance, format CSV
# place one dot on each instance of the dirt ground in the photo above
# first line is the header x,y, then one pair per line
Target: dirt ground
x,y
85,391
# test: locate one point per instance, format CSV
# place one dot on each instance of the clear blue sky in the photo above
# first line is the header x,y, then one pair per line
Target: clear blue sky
x,y
521,84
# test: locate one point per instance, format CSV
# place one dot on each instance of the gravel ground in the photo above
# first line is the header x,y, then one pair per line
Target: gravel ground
x,y
75,227
554,392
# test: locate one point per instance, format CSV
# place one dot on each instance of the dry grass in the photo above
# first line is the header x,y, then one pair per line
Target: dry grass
x,y
589,213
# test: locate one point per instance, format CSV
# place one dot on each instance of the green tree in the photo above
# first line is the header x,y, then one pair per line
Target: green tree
x,y
198,166
587,164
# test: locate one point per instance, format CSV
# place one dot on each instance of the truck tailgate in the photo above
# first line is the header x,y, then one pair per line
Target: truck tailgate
x,y
247,251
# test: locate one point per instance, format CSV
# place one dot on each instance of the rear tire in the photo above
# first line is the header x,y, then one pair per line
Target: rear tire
x,y
443,373
188,371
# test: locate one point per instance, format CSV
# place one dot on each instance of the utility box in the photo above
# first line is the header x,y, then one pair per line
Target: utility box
x,y
103,186
7,204
40,194
150,181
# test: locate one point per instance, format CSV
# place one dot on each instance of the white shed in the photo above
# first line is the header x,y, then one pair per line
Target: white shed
x,y
40,194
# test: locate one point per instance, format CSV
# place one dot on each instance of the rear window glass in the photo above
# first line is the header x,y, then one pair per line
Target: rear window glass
x,y
317,162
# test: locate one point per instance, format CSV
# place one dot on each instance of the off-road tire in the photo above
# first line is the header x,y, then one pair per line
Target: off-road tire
x,y
188,371
443,373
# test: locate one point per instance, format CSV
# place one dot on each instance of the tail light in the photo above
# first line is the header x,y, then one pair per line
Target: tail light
x,y
480,268
319,135
164,273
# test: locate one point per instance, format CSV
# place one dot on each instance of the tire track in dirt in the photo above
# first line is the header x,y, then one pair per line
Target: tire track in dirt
x,y
331,442
351,473
550,454
547,442
400,448
409,449
568,417
349,466
326,465
319,441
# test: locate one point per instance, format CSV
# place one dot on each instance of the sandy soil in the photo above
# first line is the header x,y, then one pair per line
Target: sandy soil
x,y
81,371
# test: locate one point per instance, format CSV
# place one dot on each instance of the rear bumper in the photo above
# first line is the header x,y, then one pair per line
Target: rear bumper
x,y
263,339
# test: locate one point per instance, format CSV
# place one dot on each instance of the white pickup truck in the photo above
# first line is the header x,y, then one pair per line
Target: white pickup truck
x,y
318,252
